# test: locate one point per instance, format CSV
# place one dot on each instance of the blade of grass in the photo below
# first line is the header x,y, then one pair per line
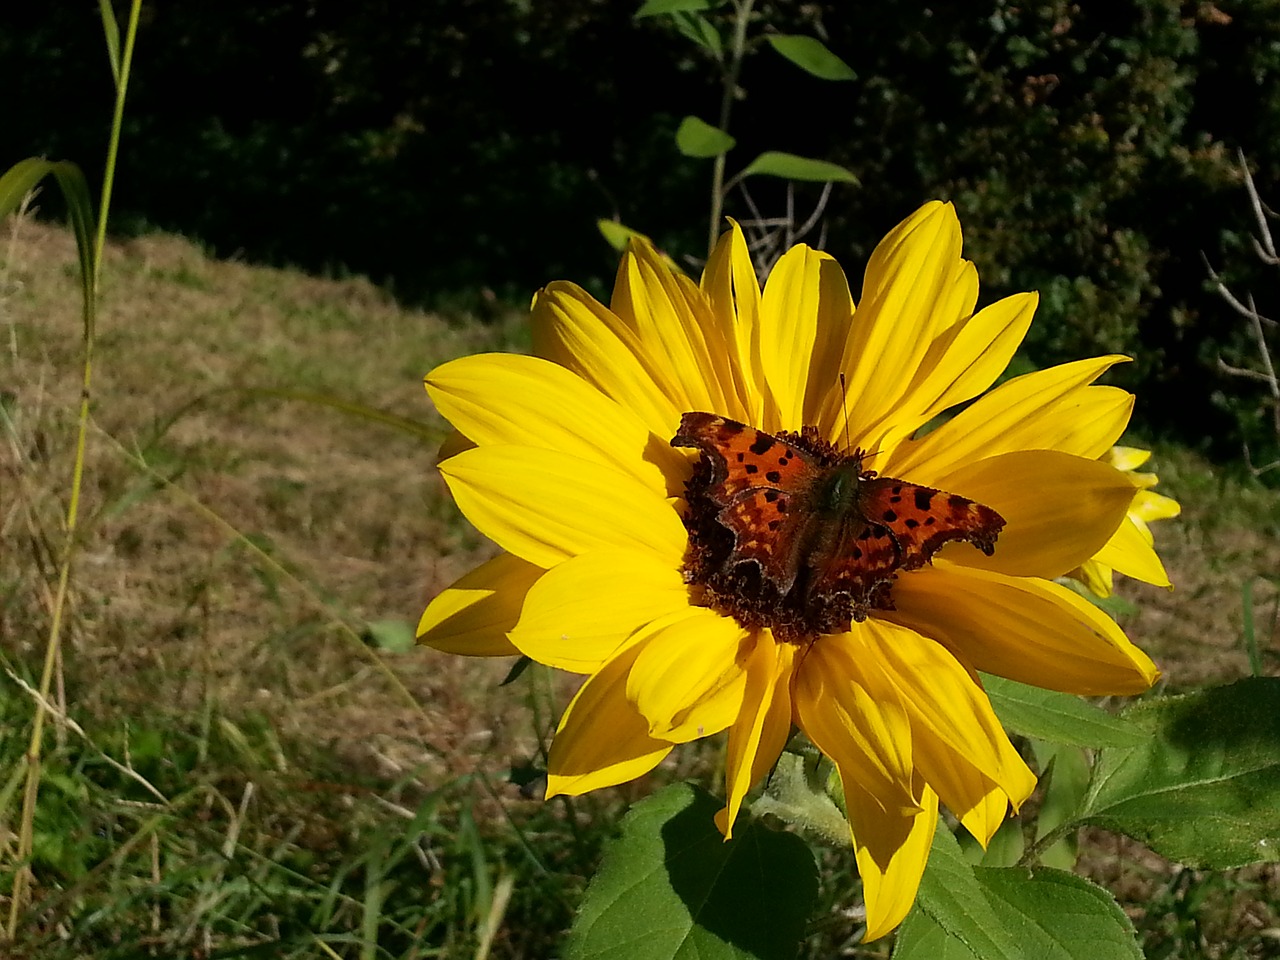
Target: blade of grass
x,y
80,210
1250,631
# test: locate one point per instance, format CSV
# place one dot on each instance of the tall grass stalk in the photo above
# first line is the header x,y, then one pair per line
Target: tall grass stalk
x,y
31,791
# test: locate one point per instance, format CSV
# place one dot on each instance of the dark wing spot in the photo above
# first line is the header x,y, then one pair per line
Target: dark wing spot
x,y
923,498
890,516
857,553
895,499
774,524
764,443
911,523
897,490
957,503
929,521
783,461
773,476
752,468
782,506
771,495
741,456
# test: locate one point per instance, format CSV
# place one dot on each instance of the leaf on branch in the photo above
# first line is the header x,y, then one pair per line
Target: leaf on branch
x,y
1204,785
789,166
697,138
812,56
1057,717
1010,913
670,886
654,8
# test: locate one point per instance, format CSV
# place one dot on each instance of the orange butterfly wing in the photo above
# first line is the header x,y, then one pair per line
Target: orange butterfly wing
x,y
922,519
760,483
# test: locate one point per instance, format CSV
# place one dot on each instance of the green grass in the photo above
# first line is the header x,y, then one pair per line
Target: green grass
x,y
236,766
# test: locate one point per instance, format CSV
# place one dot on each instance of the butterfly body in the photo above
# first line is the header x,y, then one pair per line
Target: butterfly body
x,y
813,534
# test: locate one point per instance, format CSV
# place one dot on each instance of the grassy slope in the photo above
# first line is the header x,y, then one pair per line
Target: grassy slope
x,y
242,694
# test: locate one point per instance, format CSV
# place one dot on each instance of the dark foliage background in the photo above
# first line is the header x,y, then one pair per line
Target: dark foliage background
x,y
452,146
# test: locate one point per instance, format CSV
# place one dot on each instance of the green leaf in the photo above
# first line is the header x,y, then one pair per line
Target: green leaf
x,y
1204,785
696,27
1057,717
111,32
1068,773
811,56
617,234
654,8
697,138
774,163
672,887
1016,912
952,900
394,636
22,178
1055,915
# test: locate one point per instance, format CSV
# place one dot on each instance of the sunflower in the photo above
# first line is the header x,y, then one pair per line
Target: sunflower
x,y
569,467
1131,549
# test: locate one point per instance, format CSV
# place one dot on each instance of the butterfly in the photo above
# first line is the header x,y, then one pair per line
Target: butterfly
x,y
820,529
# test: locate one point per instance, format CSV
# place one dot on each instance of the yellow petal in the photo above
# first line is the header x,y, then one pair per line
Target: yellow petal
x,y
1130,551
856,721
547,507
1096,577
1029,630
674,331
763,725
729,283
911,271
891,848
1031,412
1148,506
472,617
805,290
1128,458
572,329
962,362
580,612
602,739
512,399
948,711
689,679
1059,510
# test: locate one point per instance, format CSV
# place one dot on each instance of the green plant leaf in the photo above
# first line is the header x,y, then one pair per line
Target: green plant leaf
x,y
697,138
774,163
1204,785
22,178
700,30
654,8
1069,773
979,913
672,887
1057,717
394,636
618,235
952,900
111,33
812,56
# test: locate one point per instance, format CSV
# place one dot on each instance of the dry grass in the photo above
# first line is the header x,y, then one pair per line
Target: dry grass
x,y
172,607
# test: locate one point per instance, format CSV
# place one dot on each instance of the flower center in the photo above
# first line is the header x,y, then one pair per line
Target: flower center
x,y
787,532
759,551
